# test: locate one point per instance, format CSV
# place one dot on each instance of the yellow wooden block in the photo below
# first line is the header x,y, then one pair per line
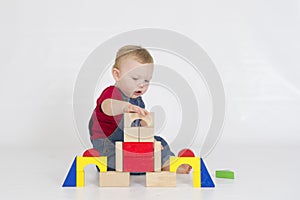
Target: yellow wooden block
x,y
175,162
130,117
114,179
161,179
197,179
79,178
81,162
119,156
146,134
194,162
131,134
157,156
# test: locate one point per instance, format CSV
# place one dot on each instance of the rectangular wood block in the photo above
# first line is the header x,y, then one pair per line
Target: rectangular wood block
x,y
157,156
161,179
114,179
131,134
146,134
119,156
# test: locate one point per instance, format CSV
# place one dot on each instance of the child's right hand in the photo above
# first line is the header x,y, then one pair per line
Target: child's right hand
x,y
135,109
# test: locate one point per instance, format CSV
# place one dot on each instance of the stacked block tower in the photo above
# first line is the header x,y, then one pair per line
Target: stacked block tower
x,y
139,152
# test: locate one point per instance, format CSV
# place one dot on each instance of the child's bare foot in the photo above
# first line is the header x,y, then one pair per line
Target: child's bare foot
x,y
184,169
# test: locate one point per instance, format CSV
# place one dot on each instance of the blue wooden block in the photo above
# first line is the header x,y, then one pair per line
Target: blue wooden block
x,y
70,180
206,180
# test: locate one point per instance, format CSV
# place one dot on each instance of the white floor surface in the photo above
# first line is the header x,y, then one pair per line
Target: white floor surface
x,y
262,172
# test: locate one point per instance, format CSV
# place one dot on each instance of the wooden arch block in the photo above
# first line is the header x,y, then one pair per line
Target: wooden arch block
x,y
130,117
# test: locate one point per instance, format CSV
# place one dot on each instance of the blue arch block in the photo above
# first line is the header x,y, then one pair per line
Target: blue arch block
x,y
70,180
206,180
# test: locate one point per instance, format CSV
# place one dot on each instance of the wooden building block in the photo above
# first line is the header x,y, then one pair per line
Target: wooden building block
x,y
197,179
114,179
130,117
138,149
175,162
138,164
194,162
100,162
146,134
80,178
138,157
206,180
161,179
157,156
91,153
70,180
81,162
119,156
225,174
131,134
186,153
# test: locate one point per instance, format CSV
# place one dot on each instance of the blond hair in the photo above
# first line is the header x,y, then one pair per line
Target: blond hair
x,y
138,53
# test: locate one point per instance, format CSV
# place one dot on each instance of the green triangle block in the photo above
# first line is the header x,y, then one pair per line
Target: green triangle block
x,y
206,180
70,180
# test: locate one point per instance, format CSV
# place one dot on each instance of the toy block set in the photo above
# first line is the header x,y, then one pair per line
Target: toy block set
x,y
138,153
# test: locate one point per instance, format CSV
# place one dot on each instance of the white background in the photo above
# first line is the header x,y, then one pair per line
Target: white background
x,y
254,44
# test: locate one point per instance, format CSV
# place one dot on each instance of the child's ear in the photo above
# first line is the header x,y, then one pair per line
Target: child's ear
x,y
116,74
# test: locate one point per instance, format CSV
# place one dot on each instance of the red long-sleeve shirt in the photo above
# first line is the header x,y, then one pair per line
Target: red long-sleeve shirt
x,y
102,125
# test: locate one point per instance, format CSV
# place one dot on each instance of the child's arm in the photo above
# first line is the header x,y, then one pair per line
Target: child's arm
x,y
114,107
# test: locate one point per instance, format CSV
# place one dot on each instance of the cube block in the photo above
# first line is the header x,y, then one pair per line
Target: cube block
x,y
138,157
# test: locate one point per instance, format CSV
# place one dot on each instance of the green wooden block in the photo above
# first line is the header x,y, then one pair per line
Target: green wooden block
x,y
224,174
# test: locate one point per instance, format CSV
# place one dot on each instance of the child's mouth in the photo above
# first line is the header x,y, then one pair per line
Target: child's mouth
x,y
137,92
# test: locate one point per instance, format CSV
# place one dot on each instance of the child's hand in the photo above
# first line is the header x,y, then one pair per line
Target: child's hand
x,y
135,109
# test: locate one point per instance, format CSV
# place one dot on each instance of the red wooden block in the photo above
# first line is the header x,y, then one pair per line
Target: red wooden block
x,y
138,149
186,153
91,153
138,164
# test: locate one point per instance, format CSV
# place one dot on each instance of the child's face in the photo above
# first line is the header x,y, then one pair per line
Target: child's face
x,y
133,77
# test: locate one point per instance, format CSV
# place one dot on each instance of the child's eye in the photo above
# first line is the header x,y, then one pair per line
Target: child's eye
x,y
147,81
135,79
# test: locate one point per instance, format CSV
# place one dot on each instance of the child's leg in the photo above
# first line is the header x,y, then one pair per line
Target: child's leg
x,y
165,155
106,148
165,152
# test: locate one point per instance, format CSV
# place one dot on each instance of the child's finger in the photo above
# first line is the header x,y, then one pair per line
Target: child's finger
x,y
146,111
140,112
143,112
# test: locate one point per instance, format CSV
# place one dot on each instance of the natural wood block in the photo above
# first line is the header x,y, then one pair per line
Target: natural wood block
x,y
131,134
114,179
157,156
130,117
119,156
146,134
161,179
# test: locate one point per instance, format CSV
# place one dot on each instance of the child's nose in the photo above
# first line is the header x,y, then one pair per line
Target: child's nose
x,y
141,84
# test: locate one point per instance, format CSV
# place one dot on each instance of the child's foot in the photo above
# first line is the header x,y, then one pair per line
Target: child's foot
x,y
182,169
